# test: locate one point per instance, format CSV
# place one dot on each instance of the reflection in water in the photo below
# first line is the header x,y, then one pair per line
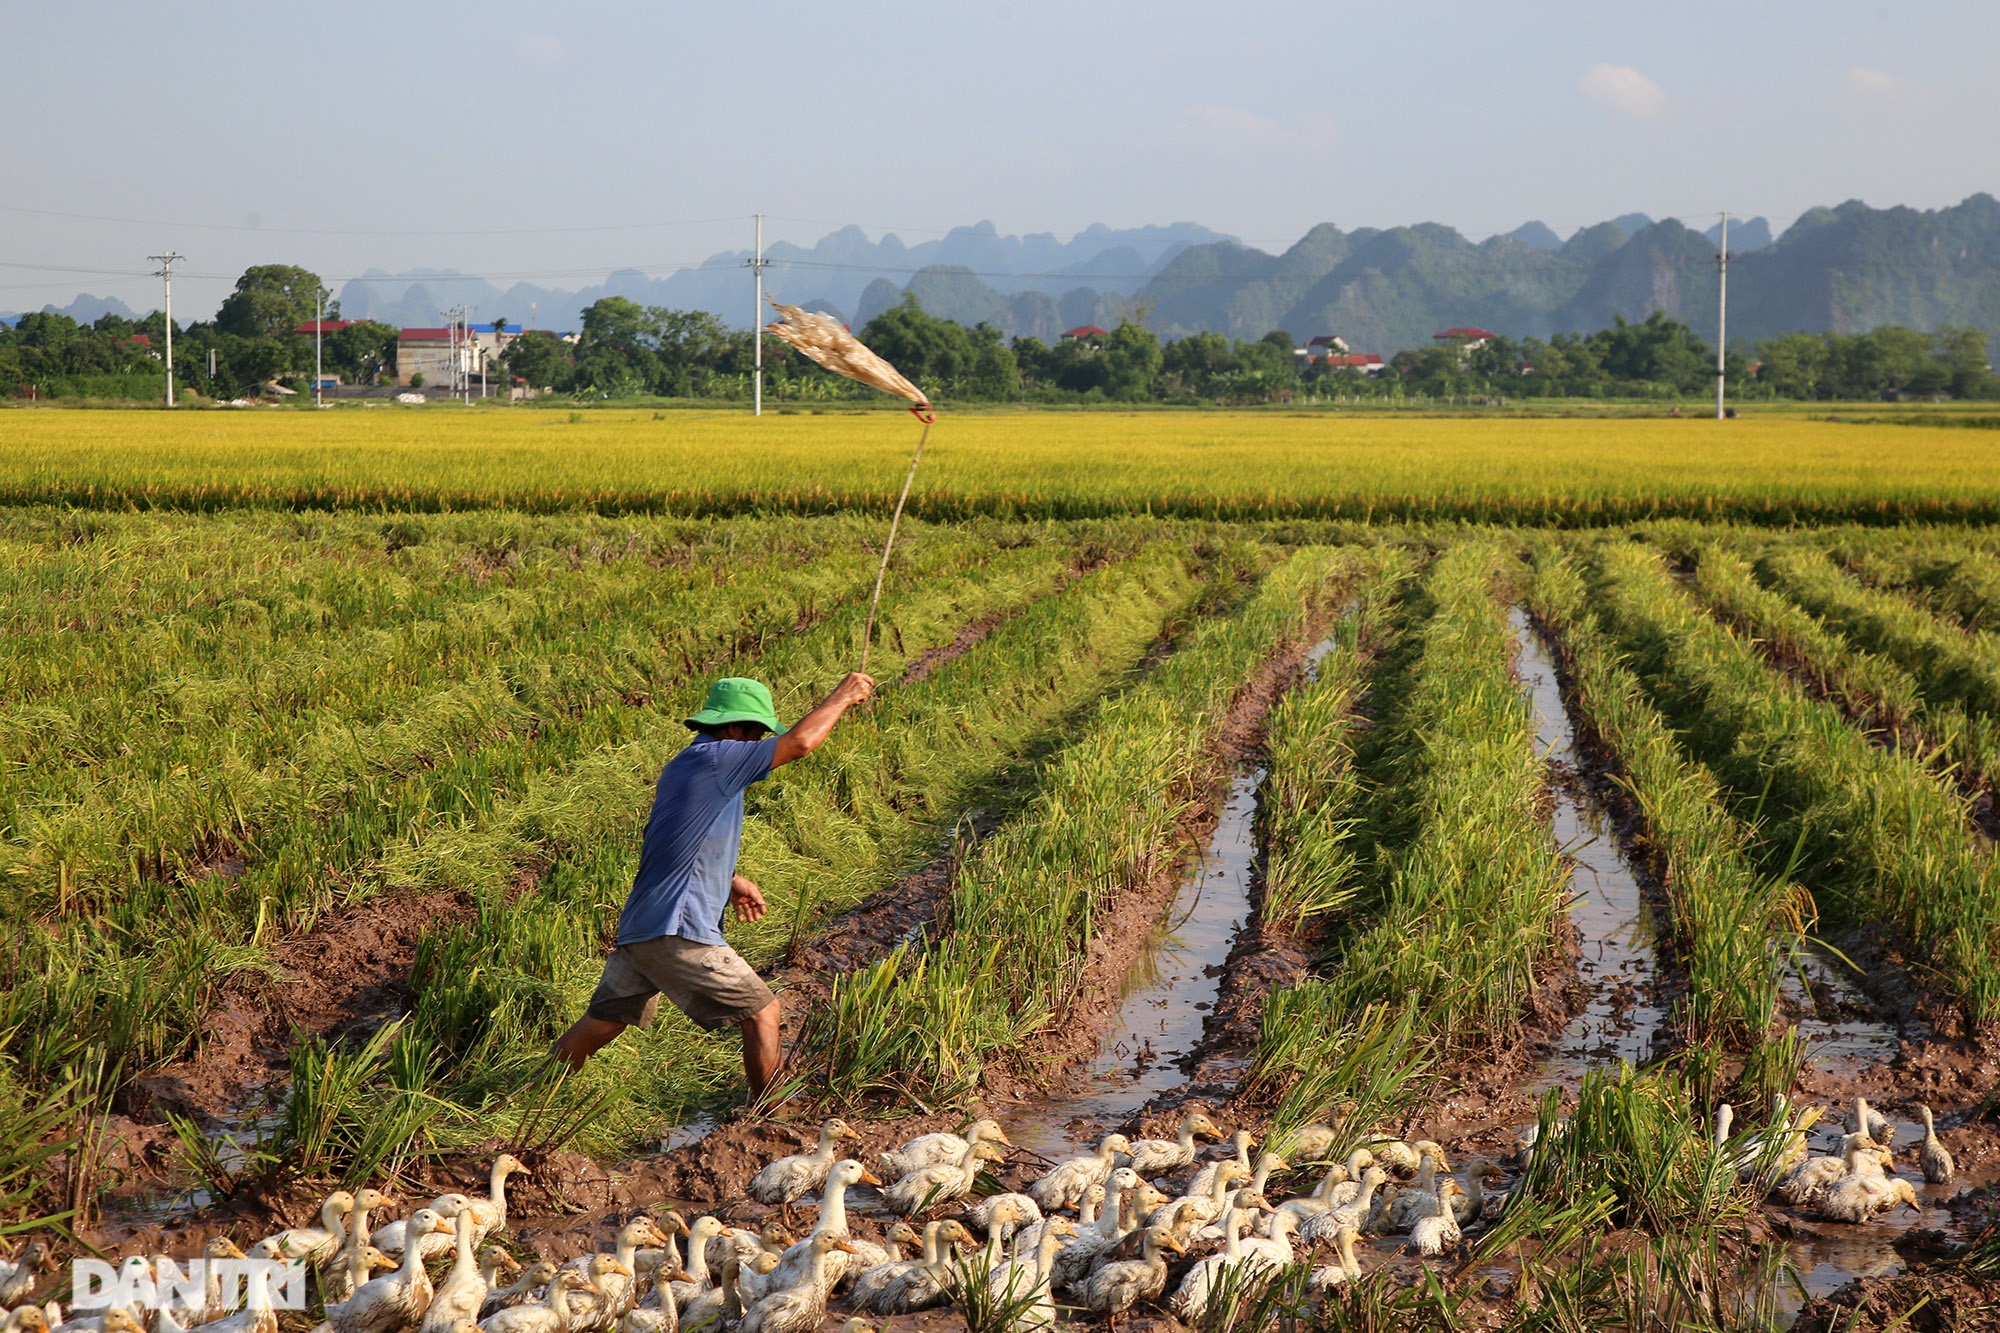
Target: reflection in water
x,y
1614,922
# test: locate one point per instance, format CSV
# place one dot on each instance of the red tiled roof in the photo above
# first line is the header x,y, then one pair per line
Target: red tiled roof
x,y
1355,359
1085,331
1324,340
424,335
143,339
1467,332
324,326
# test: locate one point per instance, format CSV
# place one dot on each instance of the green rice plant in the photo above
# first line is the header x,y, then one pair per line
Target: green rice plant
x,y
986,1306
1379,1303
1306,809
1883,841
1956,675
1736,929
1463,910
1356,1075
1872,688
1632,1141
41,1141
1958,578
1024,906
362,1114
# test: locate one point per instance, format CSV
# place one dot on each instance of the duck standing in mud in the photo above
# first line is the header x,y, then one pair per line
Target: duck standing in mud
x,y
670,933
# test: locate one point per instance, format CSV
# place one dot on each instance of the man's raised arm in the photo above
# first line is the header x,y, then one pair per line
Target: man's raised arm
x,y
814,727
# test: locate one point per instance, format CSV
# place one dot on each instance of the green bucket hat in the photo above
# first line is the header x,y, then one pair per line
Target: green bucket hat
x,y
738,699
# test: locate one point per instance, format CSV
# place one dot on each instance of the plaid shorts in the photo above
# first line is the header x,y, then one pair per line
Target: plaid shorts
x,y
710,983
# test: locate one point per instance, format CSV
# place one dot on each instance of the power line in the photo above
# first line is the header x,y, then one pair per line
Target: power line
x,y
357,231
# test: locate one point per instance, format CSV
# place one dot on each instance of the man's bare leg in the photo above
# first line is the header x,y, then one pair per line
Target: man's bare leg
x,y
584,1039
763,1053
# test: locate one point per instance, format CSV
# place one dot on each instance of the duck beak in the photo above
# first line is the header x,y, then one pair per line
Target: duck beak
x,y
843,1247
624,1269
446,1226
849,1132
869,1177
1003,1137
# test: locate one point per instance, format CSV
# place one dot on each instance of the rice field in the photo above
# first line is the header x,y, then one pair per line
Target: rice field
x,y
1778,468
326,743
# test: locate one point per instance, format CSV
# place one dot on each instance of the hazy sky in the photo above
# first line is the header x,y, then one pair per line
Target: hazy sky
x,y
555,141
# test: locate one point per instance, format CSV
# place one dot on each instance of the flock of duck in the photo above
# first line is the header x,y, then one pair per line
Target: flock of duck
x,y
1854,1184
1093,1233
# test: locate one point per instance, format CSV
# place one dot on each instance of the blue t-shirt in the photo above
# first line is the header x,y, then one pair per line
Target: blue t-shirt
x,y
689,858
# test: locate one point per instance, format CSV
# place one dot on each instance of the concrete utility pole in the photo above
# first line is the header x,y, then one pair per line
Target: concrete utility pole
x,y
319,327
757,266
166,271
1721,313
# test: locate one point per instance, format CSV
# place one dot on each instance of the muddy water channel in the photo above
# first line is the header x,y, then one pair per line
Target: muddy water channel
x,y
1168,996
1614,921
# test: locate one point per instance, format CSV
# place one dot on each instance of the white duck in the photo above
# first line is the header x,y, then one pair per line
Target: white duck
x,y
912,1284
1243,1142
933,1185
1347,1269
1437,1231
1276,1248
614,1287
721,1306
1310,1143
341,1276
1932,1156
799,1308
489,1210
1809,1181
1864,1190
1418,1199
458,1296
1123,1283
798,1261
389,1238
939,1149
1352,1212
17,1277
1064,1183
550,1315
396,1301
1190,1299
1152,1157
1207,1205
1863,1119
1078,1257
316,1245
1027,1280
213,1303
521,1290
699,1275
789,1179
980,1215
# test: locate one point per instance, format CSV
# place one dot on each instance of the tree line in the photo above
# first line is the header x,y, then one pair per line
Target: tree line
x,y
625,350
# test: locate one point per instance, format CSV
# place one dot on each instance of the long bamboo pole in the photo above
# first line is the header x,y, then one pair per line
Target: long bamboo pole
x,y
868,635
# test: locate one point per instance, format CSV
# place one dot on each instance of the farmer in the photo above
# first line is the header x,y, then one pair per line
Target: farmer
x,y
670,933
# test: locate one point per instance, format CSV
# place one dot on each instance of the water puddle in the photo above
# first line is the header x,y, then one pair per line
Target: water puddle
x,y
1614,922
1168,995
